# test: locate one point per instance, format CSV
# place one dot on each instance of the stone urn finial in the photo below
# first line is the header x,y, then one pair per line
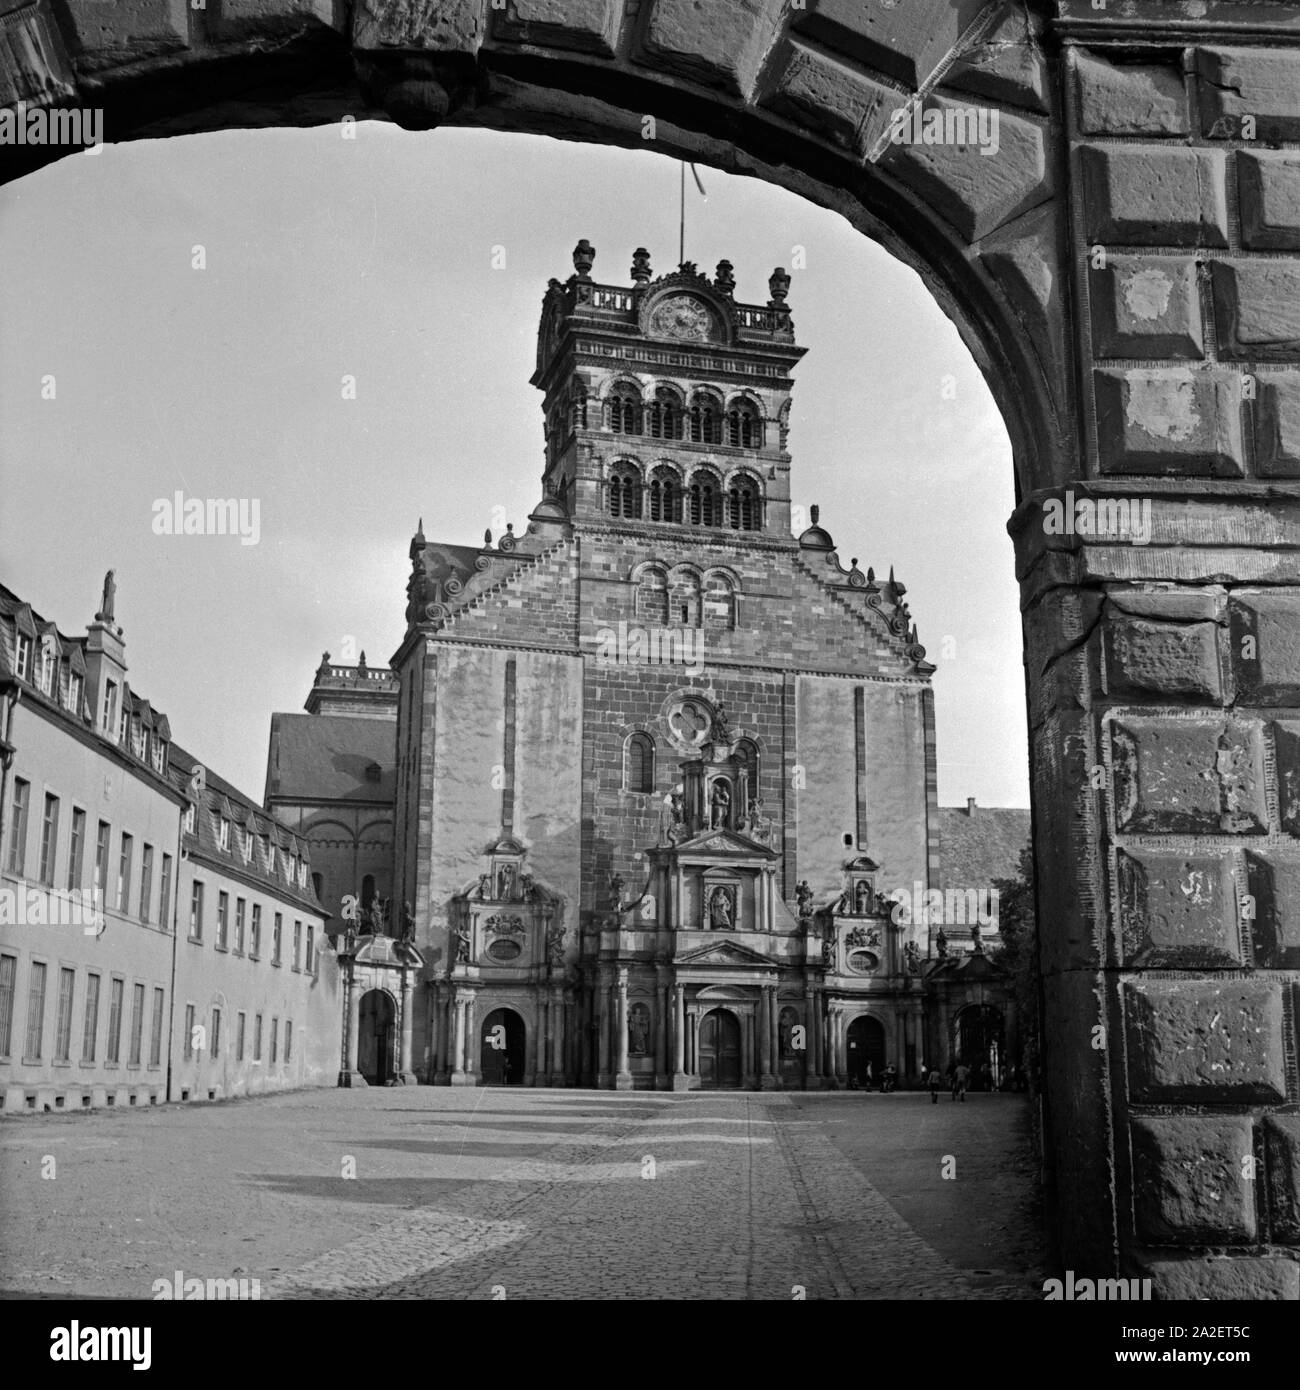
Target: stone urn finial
x,y
640,271
724,279
778,287
584,254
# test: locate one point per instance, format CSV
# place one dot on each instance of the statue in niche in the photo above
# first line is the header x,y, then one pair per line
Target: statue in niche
x,y
505,882
408,925
719,805
378,925
462,943
828,949
862,898
616,891
941,944
721,909
785,1028
555,943
484,885
638,1030
526,885
804,897
912,958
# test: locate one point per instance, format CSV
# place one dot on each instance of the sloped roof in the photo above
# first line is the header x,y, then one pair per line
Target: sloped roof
x,y
975,847
325,758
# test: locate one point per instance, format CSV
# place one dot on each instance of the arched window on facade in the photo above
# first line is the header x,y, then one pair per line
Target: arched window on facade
x,y
684,601
624,410
719,602
367,890
625,490
744,512
652,597
747,756
705,499
639,763
666,413
665,494
705,420
744,428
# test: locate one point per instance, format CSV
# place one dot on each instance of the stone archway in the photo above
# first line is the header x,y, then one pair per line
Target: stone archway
x,y
1103,267
377,1017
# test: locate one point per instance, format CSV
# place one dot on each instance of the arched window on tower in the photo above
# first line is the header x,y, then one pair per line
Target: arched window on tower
x,y
719,602
705,499
367,891
684,601
705,419
578,406
744,429
624,410
747,756
625,491
665,494
652,597
743,509
666,414
639,763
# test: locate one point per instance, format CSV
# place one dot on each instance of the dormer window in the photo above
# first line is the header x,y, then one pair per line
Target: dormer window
x,y
109,708
46,678
137,738
302,873
189,819
223,833
23,658
74,692
159,757
121,724
246,846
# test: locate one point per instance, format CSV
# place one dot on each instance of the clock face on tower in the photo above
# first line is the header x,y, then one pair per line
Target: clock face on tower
x,y
682,316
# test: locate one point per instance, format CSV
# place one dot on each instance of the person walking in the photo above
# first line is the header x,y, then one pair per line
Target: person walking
x,y
935,1081
960,1080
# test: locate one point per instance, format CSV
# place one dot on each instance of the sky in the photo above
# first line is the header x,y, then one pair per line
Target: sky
x,y
182,314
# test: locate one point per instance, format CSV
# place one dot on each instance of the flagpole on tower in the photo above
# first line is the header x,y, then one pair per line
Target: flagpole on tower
x,y
681,227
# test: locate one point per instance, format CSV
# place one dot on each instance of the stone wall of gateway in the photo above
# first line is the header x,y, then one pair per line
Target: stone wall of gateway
x,y
1126,135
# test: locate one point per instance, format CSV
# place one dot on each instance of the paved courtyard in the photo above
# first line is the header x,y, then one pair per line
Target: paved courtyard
x,y
529,1194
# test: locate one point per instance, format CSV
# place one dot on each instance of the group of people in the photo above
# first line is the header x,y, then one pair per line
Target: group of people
x,y
888,1080
959,1078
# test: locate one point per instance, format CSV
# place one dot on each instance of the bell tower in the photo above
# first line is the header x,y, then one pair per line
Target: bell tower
x,y
667,401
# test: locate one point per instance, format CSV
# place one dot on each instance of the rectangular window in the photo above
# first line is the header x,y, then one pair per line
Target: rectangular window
x,y
137,1023
239,926
196,912
46,679
8,983
288,1039
76,848
239,1037
113,1048
156,1027
110,701
90,1027
275,1038
165,894
216,1034
49,838
311,953
74,693
297,945
277,932
121,726
223,834
124,872
257,1037
255,939
223,919
102,837
35,1012
146,882
189,1032
18,826
63,1020
24,657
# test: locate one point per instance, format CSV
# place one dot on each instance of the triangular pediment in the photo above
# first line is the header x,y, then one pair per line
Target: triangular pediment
x,y
725,953
723,844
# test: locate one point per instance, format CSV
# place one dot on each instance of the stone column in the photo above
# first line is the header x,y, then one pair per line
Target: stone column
x,y
350,1076
663,1079
471,1039
766,1080
623,1080
604,1005
405,1075
458,1040
679,1039
774,1032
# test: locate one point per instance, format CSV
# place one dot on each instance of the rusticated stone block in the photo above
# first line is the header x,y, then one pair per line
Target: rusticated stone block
x,y
1163,659
1007,65
903,41
1277,426
1257,83
1257,306
590,26
1145,306
1286,746
1188,1173
1130,99
721,46
1264,646
1282,1159
1205,1041
826,96
1188,776
1268,189
1218,1278
239,18
1145,195
127,30
1274,901
975,191
446,26
1177,911
1169,421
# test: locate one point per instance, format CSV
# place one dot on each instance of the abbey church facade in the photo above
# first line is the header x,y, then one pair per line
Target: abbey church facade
x,y
659,761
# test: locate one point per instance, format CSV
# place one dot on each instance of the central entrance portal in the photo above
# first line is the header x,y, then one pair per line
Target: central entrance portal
x,y
501,1052
719,1050
375,1037
866,1051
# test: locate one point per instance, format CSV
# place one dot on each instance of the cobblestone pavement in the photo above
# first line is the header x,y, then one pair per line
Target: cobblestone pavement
x,y
516,1193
